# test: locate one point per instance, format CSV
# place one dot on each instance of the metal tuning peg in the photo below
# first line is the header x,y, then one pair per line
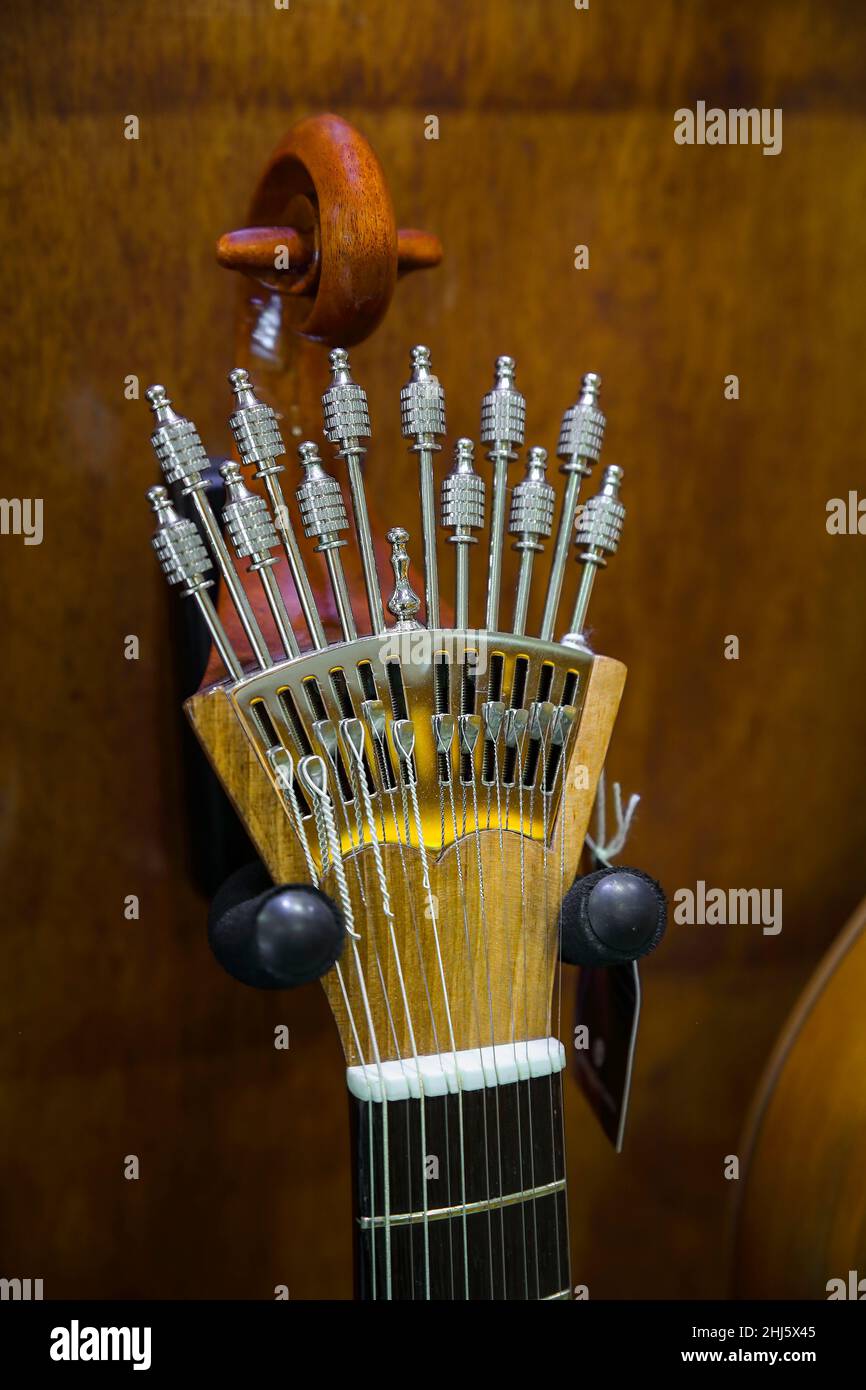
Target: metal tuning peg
x,y
323,515
531,521
184,560
503,417
598,529
404,603
346,424
462,511
251,531
422,418
579,447
181,456
259,442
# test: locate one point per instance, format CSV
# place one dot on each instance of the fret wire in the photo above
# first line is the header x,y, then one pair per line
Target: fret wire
x,y
510,1199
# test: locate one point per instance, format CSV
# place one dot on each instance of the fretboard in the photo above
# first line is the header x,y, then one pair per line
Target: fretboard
x,y
474,1206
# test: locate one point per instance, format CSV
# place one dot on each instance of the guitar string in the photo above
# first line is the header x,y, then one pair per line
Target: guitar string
x,y
329,846
470,962
425,875
356,761
422,1107
358,780
552,968
405,773
495,1088
288,788
549,965
371,1105
512,968
559,1013
526,1029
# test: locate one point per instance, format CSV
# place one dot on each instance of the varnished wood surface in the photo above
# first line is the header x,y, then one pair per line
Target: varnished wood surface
x,y
510,957
555,129
805,1141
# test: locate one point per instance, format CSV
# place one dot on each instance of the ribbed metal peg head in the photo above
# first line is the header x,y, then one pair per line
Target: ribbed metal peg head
x,y
598,525
582,431
175,441
422,399
246,516
345,411
177,542
462,493
323,511
532,501
503,409
255,427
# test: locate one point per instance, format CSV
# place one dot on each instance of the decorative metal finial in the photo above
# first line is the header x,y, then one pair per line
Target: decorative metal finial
x,y
404,603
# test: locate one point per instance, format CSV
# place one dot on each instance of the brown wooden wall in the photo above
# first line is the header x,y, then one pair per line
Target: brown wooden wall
x,y
556,128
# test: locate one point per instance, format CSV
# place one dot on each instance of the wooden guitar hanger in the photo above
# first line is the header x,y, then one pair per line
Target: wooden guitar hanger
x,y
319,262
342,250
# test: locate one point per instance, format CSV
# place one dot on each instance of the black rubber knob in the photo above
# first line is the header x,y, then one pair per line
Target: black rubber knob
x,y
276,939
612,916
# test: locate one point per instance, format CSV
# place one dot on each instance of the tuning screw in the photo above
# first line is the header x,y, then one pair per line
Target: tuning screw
x,y
184,560
462,511
579,447
404,603
503,416
422,417
257,435
598,529
251,531
323,515
181,456
531,520
347,423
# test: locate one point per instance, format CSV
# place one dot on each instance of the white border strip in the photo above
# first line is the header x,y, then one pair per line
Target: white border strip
x,y
470,1070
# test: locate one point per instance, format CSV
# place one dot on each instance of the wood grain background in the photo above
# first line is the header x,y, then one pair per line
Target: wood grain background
x,y
556,128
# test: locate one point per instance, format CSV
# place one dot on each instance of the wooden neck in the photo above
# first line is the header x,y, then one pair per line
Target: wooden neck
x,y
474,1206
